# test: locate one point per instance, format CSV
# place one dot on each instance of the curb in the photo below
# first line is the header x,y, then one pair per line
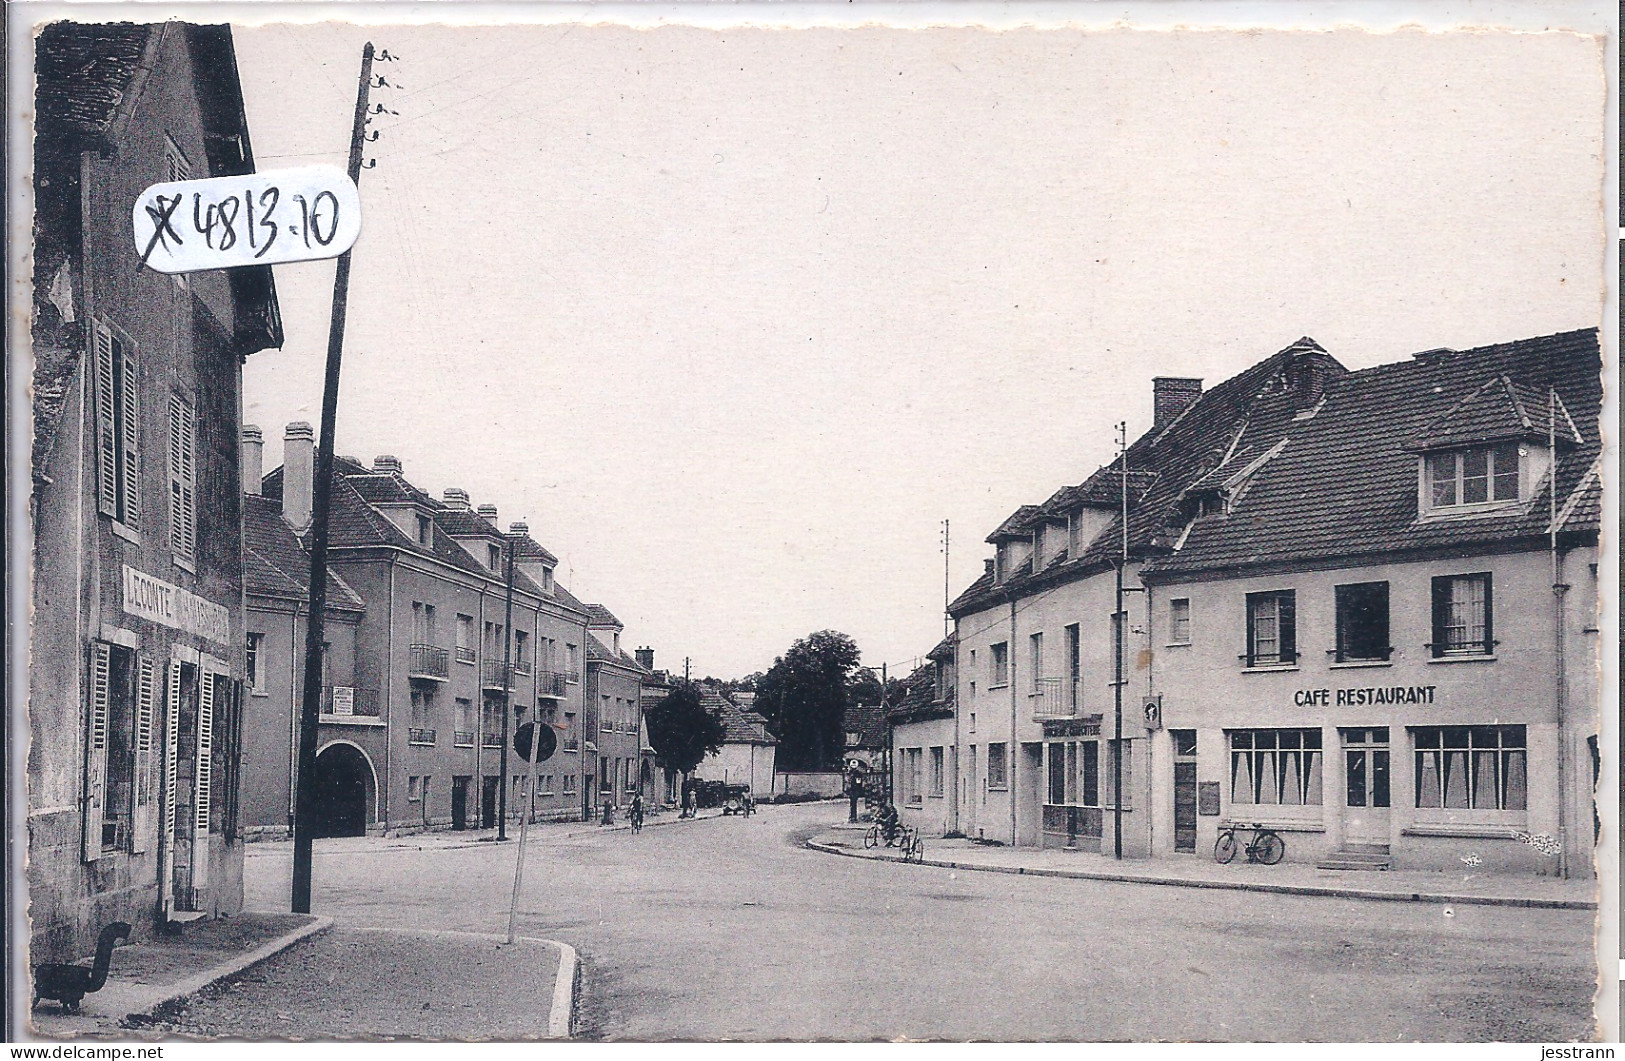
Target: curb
x,y
193,984
1244,886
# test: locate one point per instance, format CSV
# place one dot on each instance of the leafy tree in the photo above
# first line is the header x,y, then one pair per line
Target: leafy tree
x,y
681,731
804,697
865,687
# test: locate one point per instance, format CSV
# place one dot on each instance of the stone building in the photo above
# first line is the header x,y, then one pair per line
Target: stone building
x,y
137,639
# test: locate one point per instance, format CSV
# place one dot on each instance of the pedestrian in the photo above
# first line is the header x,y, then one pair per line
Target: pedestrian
x,y
609,812
688,800
635,812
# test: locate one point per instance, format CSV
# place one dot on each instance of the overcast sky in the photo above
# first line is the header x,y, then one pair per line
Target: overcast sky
x,y
735,319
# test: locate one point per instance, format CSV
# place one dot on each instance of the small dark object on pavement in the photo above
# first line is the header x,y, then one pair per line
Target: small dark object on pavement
x,y
69,984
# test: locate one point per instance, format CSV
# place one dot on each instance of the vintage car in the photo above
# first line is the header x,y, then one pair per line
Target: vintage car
x,y
736,799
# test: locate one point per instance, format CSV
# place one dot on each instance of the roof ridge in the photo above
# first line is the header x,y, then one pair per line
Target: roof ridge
x,y
1575,495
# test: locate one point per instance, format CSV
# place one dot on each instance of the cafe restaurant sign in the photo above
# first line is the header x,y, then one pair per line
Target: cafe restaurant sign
x,y
157,600
1364,696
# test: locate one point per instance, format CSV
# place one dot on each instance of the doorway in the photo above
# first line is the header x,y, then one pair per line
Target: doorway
x,y
1184,789
342,782
488,801
459,802
1365,784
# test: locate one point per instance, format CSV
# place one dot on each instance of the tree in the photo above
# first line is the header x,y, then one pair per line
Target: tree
x,y
681,731
865,687
804,697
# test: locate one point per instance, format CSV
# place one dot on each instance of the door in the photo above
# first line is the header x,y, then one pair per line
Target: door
x,y
459,802
488,802
1184,789
1365,785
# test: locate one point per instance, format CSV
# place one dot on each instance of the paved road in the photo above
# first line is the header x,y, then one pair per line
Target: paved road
x,y
728,928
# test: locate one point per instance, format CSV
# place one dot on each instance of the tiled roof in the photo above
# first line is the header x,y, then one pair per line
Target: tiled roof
x,y
528,548
868,721
1228,427
919,702
276,563
83,72
737,725
466,523
1500,410
598,615
1345,485
1015,525
598,652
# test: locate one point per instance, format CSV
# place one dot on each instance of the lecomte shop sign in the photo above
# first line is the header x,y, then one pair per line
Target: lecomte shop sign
x,y
157,600
288,215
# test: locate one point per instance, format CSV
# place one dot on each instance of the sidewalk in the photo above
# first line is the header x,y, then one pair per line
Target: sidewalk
x,y
396,984
1193,871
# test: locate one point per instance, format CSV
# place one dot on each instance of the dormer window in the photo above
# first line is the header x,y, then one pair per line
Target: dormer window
x,y
1480,476
493,557
425,530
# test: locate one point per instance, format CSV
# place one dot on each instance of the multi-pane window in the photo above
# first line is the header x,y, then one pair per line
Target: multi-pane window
x,y
571,739
423,623
1362,622
1063,773
606,721
1365,767
1001,664
1472,767
569,784
1272,629
1462,615
118,431
252,668
1473,476
182,478
465,639
996,765
911,775
1275,767
1179,621
936,772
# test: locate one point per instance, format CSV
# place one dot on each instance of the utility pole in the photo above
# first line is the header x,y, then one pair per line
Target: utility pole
x,y
304,814
685,668
947,620
507,701
1120,630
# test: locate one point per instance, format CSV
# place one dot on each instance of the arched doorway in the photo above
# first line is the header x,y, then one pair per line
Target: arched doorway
x,y
344,791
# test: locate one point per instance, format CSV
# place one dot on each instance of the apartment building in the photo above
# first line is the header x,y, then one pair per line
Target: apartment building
x,y
614,693
924,746
1357,607
137,634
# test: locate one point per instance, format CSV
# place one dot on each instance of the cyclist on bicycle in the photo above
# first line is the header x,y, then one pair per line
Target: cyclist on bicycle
x,y
889,820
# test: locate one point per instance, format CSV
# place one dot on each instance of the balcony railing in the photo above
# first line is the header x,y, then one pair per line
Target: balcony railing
x,y
416,735
496,676
572,744
1055,698
491,740
340,702
466,655
462,738
550,683
430,662
521,667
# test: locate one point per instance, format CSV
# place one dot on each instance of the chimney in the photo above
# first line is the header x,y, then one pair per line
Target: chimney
x,y
386,464
519,529
646,658
456,498
1307,371
298,473
1172,395
253,454
489,512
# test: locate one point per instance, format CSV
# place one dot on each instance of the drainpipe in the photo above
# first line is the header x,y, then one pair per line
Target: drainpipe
x,y
1559,665
381,799
1011,749
294,641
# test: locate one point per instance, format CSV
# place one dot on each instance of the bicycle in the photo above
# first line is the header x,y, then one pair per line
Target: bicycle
x,y
1265,847
636,818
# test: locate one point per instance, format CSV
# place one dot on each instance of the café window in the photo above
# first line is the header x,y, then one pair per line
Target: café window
x,y
1275,767
1471,767
1480,476
1272,629
1463,616
1362,622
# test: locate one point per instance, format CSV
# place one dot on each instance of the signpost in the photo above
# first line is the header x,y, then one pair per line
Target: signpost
x,y
547,741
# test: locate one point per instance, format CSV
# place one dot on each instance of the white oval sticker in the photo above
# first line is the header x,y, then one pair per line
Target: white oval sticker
x,y
288,215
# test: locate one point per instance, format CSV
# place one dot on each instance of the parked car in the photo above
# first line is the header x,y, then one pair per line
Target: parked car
x,y
736,799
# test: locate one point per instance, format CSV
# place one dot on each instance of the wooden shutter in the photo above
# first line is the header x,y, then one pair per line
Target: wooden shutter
x,y
106,433
1489,615
96,750
1287,626
202,778
130,441
182,476
1441,612
172,736
146,694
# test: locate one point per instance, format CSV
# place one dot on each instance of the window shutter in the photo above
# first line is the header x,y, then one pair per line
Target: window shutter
x,y
130,442
182,476
146,693
172,736
1489,615
1441,612
96,750
106,435
1288,627
203,776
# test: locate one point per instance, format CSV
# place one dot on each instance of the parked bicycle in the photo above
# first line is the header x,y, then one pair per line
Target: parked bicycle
x,y
905,838
1265,847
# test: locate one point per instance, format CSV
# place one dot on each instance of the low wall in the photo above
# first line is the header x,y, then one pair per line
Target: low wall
x,y
825,783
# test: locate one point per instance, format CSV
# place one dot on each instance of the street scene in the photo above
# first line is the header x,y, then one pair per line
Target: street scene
x,y
683,533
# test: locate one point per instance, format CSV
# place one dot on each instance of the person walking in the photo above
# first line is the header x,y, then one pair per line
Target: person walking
x,y
635,813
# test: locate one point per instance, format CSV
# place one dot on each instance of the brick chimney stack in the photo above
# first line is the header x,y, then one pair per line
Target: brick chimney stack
x,y
646,658
489,512
253,454
1172,395
456,498
298,474
386,464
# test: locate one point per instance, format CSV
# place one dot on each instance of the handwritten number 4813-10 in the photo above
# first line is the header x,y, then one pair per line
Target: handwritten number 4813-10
x,y
217,222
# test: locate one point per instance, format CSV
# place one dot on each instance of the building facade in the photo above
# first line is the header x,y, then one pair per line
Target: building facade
x,y
614,693
1357,607
924,746
137,637
749,753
